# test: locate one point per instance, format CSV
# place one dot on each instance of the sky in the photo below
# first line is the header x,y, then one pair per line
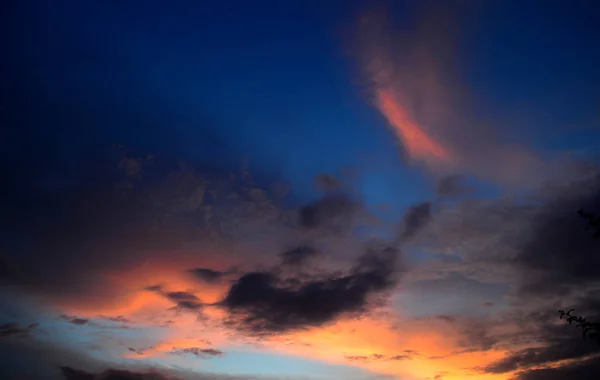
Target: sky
x,y
273,190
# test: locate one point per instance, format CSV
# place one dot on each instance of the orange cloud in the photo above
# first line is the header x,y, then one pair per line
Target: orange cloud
x,y
403,348
128,284
418,144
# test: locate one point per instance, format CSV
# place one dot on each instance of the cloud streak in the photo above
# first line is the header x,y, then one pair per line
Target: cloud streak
x,y
414,75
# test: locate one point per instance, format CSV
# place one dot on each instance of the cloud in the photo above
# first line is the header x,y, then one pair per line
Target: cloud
x,y
560,253
587,369
33,359
415,219
75,320
183,300
408,355
334,211
298,255
111,374
453,185
551,342
203,353
79,321
263,302
14,330
540,247
102,225
117,319
414,75
207,275
327,183
558,350
100,261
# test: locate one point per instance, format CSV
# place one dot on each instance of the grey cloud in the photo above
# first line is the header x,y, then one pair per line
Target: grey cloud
x,y
415,219
408,355
265,303
539,243
557,350
182,300
327,182
112,374
450,293
79,321
298,255
104,222
203,353
185,300
587,369
207,275
31,359
560,253
453,185
334,211
117,319
550,343
14,330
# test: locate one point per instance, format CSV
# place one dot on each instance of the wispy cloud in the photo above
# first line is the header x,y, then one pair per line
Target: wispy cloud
x,y
415,78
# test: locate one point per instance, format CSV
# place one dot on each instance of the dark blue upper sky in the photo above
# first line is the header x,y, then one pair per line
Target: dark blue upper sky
x,y
272,81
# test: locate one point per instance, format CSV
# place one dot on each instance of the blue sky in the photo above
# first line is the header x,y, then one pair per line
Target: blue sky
x,y
216,83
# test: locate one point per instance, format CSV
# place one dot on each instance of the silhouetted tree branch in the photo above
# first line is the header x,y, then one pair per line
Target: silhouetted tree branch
x,y
589,329
593,221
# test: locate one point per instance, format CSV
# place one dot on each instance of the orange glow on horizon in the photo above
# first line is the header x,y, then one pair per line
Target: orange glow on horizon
x,y
332,343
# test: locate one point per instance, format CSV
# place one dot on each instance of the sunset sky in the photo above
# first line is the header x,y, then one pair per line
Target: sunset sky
x,y
300,189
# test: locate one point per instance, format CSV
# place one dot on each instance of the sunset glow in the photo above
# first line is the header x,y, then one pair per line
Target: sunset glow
x,y
299,190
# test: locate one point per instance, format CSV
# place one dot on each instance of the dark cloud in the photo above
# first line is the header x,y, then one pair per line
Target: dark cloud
x,y
298,255
327,183
13,329
30,359
401,357
203,353
117,319
108,220
75,320
79,321
564,349
263,303
415,219
476,336
453,185
182,300
560,253
542,247
357,358
207,275
587,369
335,211
88,322
181,296
408,355
550,344
111,374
